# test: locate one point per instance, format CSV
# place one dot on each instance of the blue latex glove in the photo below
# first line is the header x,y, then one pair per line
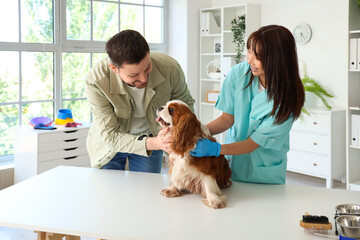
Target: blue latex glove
x,y
205,147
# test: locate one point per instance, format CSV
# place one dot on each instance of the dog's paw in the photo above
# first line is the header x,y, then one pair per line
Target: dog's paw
x,y
227,184
216,202
170,192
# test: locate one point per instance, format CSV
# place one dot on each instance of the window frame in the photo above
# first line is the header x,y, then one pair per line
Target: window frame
x,y
62,45
81,45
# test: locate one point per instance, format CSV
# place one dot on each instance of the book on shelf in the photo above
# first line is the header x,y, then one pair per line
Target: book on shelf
x,y
226,65
358,54
353,53
208,24
355,129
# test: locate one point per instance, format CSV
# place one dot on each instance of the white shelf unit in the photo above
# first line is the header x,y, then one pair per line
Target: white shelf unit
x,y
353,103
221,17
317,145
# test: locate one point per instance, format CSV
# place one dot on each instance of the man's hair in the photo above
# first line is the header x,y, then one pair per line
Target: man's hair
x,y
128,47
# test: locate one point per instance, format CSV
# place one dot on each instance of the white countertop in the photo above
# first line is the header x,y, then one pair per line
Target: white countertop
x,y
116,204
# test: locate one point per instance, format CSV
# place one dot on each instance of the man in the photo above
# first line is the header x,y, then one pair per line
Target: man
x,y
124,91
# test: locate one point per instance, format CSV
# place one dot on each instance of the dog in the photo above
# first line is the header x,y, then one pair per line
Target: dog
x,y
203,175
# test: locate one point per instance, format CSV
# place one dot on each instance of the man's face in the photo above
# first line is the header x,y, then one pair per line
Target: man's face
x,y
134,75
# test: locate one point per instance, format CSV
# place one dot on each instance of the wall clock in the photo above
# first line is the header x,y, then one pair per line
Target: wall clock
x,y
302,33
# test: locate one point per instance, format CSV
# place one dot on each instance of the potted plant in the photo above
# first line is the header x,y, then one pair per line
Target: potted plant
x,y
238,30
311,86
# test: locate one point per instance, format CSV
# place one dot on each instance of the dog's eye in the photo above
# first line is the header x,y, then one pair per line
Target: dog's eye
x,y
171,110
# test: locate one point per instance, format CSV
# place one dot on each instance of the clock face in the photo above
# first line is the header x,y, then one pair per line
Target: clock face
x,y
302,33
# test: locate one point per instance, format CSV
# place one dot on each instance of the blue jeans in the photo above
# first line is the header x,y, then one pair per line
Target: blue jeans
x,y
137,163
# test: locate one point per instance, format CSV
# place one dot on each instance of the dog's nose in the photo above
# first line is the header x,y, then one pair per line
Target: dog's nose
x,y
160,108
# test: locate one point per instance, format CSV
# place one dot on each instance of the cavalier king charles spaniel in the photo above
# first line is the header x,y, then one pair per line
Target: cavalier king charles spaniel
x,y
204,175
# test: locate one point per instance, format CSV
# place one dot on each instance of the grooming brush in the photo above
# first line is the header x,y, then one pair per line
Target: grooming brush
x,y
318,223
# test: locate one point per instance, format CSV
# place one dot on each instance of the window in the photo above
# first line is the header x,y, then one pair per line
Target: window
x,y
50,45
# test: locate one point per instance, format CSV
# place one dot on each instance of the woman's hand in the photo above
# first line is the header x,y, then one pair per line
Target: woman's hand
x,y
205,147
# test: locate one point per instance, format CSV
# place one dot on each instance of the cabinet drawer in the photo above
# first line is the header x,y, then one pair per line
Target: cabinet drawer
x,y
64,153
309,142
81,160
62,144
354,187
63,135
308,163
319,123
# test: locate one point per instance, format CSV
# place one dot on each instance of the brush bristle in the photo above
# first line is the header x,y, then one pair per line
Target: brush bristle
x,y
315,219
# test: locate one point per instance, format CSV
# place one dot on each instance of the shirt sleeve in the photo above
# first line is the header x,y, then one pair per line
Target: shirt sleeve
x,y
270,135
107,125
225,101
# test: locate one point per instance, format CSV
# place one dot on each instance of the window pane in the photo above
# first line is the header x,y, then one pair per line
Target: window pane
x,y
9,77
9,21
37,76
131,17
153,24
154,2
96,57
105,20
39,109
132,1
37,21
8,121
75,67
80,110
78,19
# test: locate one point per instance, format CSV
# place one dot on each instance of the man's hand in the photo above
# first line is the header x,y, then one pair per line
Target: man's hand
x,y
161,142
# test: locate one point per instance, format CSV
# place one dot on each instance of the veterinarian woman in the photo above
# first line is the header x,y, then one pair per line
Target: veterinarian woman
x,y
260,99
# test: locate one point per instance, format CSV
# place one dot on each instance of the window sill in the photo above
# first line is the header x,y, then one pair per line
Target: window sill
x,y
6,164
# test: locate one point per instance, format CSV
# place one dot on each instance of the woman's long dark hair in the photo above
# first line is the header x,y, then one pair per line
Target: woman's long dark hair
x,y
274,46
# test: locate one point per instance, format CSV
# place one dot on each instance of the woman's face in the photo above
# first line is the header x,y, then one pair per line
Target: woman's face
x,y
256,66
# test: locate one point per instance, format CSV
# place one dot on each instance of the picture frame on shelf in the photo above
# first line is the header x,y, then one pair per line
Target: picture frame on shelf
x,y
212,96
217,47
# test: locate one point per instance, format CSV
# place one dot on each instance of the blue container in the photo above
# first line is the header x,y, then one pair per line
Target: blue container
x,y
64,116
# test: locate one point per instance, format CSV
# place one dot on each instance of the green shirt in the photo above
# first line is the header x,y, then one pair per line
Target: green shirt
x,y
113,107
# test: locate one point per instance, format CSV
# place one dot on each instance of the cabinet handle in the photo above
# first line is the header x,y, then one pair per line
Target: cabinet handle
x,y
69,158
315,164
71,140
315,123
69,149
315,143
70,131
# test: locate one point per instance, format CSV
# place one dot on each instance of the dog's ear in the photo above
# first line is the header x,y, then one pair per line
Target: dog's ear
x,y
185,134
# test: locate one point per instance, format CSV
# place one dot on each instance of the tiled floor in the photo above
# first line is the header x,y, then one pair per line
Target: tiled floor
x,y
291,178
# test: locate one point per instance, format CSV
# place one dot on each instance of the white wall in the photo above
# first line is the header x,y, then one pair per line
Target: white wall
x,y
325,56
184,39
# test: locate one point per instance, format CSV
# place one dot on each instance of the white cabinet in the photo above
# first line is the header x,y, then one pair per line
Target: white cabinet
x,y
217,51
37,151
317,145
353,103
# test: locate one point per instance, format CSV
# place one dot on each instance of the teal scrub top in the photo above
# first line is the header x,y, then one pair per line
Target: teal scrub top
x,y
251,110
